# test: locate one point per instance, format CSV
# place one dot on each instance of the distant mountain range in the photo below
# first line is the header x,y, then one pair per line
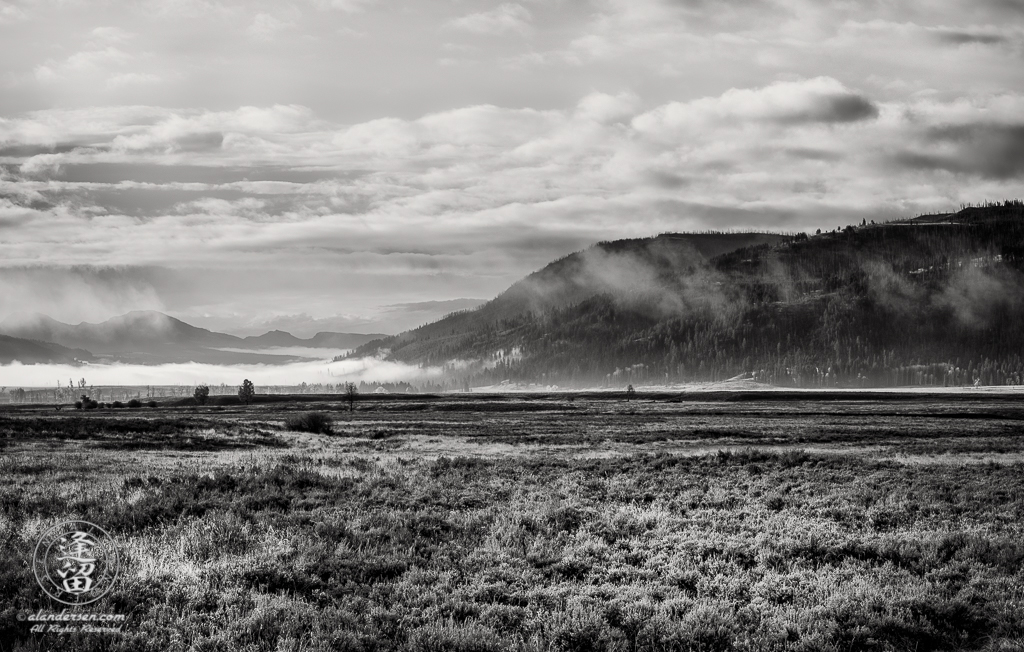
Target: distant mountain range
x,y
149,337
935,300
318,341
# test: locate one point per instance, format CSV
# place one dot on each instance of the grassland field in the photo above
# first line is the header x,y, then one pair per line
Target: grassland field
x,y
533,522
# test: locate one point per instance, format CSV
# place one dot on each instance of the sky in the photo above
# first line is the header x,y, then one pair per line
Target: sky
x,y
370,165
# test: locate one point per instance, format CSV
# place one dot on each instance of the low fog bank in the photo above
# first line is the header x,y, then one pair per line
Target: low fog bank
x,y
369,370
295,351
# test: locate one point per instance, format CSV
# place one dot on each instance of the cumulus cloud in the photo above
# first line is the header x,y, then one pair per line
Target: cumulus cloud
x,y
488,165
84,62
609,119
605,108
464,201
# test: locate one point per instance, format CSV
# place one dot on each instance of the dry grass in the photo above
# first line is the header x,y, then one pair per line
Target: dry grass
x,y
747,527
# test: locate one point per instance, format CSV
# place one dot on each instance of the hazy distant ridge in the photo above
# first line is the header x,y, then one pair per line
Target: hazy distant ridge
x,y
323,340
33,352
149,337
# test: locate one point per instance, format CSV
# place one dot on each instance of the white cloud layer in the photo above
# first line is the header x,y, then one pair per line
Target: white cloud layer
x,y
449,150
472,192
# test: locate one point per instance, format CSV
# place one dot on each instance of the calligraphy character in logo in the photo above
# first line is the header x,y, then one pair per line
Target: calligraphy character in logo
x,y
78,562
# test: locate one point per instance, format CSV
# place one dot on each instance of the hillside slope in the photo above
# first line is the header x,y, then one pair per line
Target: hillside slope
x,y
13,349
933,300
621,268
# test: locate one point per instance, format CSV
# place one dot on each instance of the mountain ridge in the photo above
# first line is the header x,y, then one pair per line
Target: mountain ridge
x,y
578,276
14,349
927,300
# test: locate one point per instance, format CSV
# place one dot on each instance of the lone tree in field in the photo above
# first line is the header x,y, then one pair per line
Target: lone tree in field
x,y
630,393
201,394
351,394
246,391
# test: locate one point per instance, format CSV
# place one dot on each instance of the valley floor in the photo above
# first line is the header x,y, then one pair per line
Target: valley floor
x,y
534,522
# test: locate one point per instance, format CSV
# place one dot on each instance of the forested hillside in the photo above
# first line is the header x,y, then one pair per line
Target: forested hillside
x,y
616,268
937,300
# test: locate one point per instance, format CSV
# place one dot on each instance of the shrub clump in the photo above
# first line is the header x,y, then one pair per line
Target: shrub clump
x,y
135,403
315,422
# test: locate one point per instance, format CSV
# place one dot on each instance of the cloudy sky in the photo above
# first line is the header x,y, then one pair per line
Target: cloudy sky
x,y
366,165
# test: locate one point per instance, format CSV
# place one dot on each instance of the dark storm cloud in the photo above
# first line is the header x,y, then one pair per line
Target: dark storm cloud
x,y
143,172
22,150
992,151
667,180
840,107
1011,6
929,162
201,142
957,37
812,154
32,201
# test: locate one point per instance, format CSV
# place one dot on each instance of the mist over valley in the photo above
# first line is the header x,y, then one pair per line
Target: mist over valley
x,y
931,301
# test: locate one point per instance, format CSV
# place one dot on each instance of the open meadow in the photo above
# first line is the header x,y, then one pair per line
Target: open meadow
x,y
533,522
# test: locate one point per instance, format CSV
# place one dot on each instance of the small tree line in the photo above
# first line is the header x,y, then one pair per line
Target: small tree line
x,y
247,392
